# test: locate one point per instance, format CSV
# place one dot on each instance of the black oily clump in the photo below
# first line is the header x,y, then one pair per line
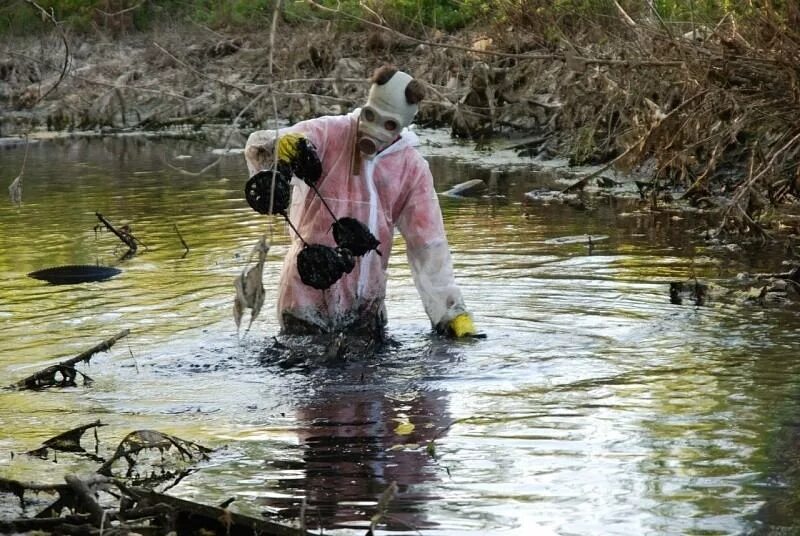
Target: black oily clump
x,y
259,191
321,266
354,236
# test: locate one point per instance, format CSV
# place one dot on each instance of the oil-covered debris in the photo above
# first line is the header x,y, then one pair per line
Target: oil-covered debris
x,y
97,503
143,457
269,191
321,266
249,286
150,457
63,374
308,352
85,273
70,441
546,197
126,503
693,291
81,273
764,290
354,236
779,289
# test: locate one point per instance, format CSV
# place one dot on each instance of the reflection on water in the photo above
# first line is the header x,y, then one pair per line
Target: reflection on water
x,y
594,405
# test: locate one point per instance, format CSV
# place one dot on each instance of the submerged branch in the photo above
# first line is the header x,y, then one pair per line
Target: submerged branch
x,y
47,376
123,233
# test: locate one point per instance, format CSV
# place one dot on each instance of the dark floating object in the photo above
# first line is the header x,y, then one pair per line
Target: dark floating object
x,y
693,290
258,191
321,266
353,235
75,273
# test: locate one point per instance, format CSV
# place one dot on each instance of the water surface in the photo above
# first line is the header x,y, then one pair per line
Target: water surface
x,y
594,405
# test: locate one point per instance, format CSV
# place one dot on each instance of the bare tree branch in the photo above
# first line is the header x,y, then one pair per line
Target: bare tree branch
x,y
49,15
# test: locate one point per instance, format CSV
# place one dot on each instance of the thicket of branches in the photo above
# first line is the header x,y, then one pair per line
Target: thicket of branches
x,y
702,94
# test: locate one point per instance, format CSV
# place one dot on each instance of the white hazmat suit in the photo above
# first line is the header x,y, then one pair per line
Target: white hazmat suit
x,y
390,189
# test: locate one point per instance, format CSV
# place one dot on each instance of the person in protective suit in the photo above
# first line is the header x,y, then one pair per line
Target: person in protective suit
x,y
363,166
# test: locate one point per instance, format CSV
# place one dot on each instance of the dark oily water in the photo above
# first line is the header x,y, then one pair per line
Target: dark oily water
x,y
594,405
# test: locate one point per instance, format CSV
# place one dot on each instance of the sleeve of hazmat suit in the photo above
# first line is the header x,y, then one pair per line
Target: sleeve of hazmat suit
x,y
421,225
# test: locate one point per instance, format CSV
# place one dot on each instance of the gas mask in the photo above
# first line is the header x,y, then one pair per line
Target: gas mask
x,y
386,113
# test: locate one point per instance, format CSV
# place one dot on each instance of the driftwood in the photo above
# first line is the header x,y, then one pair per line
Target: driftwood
x,y
64,525
190,517
65,370
86,501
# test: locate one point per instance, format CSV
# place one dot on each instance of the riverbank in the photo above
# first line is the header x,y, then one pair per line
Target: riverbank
x,y
705,117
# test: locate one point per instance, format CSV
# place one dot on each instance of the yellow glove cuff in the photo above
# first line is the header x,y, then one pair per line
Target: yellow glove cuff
x,y
287,146
462,325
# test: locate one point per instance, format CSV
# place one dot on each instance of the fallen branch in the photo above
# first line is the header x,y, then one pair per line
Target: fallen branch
x,y
123,233
193,516
471,50
581,183
744,188
202,75
47,377
383,506
65,525
86,500
99,82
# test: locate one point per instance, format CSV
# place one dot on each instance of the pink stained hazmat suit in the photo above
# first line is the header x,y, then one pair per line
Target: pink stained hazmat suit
x,y
393,189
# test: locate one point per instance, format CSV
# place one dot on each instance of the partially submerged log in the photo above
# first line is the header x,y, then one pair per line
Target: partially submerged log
x,y
468,188
63,374
189,517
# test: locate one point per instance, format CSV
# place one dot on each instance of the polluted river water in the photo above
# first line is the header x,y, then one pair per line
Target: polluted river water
x,y
593,406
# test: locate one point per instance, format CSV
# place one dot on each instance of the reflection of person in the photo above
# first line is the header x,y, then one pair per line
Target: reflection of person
x,y
355,443
372,172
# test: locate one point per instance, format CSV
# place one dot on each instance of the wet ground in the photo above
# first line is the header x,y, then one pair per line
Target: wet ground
x,y
593,406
